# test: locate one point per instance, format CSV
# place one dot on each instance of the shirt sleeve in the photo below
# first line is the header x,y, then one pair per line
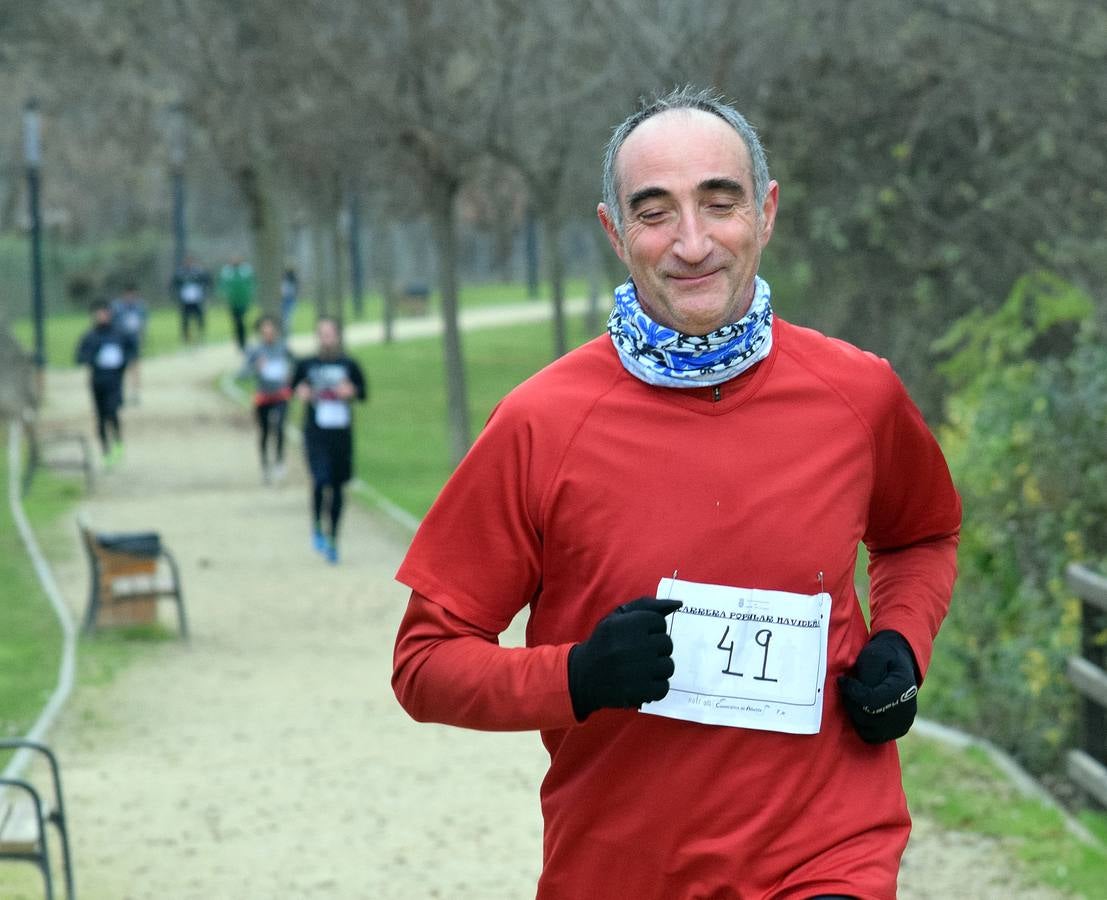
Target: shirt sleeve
x,y
454,672
913,529
478,550
83,356
299,374
357,378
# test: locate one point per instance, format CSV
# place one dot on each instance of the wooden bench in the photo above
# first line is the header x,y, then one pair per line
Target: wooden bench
x,y
129,574
40,445
24,815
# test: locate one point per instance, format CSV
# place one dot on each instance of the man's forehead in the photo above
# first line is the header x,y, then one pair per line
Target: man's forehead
x,y
690,140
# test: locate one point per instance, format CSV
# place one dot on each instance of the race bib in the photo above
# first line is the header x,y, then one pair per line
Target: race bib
x,y
332,414
109,356
274,368
132,322
191,292
746,658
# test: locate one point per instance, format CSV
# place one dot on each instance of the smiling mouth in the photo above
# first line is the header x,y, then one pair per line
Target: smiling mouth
x,y
693,279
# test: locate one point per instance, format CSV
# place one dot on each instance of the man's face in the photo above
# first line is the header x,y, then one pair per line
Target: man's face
x,y
327,334
692,233
101,316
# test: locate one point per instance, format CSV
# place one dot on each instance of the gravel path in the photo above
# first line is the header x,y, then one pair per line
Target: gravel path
x,y
268,758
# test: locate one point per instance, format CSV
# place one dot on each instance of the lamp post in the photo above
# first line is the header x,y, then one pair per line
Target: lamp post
x,y
32,156
178,139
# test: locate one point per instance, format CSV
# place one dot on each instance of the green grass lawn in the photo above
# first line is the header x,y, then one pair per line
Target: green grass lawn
x,y
401,441
963,790
30,637
63,330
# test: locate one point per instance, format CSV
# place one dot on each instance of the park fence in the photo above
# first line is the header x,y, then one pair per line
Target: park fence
x,y
1087,767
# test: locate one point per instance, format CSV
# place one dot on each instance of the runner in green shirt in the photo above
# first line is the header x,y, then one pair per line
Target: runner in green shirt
x,y
237,286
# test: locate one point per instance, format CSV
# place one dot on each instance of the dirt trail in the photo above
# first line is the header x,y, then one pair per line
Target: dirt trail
x,y
268,758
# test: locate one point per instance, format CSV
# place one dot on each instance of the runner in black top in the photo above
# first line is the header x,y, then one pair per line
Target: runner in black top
x,y
107,351
328,383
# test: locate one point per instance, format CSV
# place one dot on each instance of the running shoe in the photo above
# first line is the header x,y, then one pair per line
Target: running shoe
x,y
279,472
318,541
331,552
115,455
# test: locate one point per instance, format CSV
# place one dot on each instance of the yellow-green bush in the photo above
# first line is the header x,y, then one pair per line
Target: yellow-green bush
x,y
1026,438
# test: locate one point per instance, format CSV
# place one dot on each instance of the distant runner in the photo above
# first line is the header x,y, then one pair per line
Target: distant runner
x,y
128,314
290,292
270,364
107,350
237,285
191,286
328,383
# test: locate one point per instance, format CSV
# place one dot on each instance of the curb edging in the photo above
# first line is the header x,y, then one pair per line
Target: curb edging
x,y
67,666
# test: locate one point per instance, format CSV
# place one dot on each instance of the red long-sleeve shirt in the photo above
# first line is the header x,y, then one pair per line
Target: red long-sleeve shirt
x,y
585,488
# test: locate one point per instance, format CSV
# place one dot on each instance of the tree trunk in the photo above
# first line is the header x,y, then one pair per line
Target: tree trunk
x,y
592,316
551,232
530,234
357,281
266,231
443,200
338,247
321,265
383,254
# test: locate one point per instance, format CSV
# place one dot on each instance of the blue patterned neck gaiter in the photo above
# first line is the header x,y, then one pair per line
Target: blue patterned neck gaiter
x,y
660,355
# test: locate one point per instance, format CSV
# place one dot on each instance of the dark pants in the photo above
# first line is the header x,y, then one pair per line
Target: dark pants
x,y
327,499
238,316
330,460
107,397
190,311
271,430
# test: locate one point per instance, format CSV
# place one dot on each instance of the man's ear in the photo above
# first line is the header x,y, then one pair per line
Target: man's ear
x,y
609,229
768,212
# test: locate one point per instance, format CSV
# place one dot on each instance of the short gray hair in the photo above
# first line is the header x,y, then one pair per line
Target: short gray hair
x,y
687,97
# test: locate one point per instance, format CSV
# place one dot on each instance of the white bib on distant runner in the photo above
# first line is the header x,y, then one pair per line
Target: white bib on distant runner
x,y
274,368
332,414
746,658
109,356
191,292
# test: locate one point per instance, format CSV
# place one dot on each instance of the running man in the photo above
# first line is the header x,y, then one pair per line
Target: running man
x,y
128,313
270,364
237,285
191,285
731,732
328,383
107,350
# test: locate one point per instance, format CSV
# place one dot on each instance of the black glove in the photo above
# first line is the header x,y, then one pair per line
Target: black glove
x,y
881,700
627,660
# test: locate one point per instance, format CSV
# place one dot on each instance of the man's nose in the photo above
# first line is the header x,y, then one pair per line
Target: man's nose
x,y
693,239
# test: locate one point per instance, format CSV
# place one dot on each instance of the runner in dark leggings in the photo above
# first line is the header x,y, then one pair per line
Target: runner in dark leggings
x,y
328,383
107,351
270,364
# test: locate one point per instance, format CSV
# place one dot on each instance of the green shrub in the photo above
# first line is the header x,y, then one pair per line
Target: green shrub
x,y
1025,440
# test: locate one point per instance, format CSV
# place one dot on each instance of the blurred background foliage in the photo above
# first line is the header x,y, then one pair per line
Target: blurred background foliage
x,y
1024,434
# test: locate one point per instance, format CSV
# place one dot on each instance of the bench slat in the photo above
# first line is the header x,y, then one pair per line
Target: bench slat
x,y
1088,585
19,832
1089,774
1089,679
